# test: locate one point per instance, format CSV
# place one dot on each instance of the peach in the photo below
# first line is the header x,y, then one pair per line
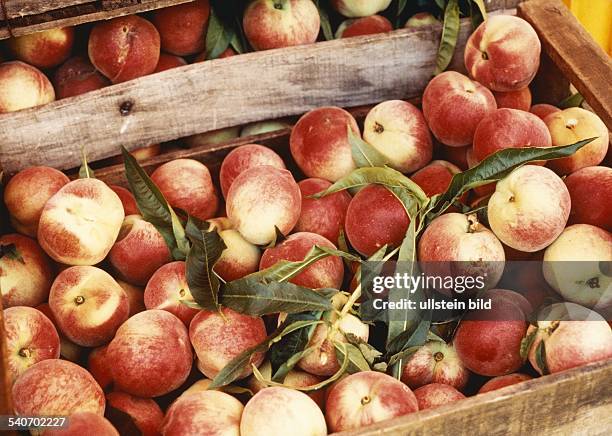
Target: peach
x,y
511,297
542,110
272,411
502,381
271,24
364,26
456,155
80,222
503,53
127,200
375,217
57,387
360,8
25,281
320,145
88,305
139,250
135,297
182,28
46,49
166,290
435,362
261,199
227,53
453,105
187,185
420,19
204,412
529,208
590,189
167,62
30,338
218,136
261,127
68,349
324,216
23,86
435,177
218,337
145,412
241,159
367,397
77,76
576,124
398,130
99,366
124,48
519,99
239,258
83,423
324,273
151,354
436,394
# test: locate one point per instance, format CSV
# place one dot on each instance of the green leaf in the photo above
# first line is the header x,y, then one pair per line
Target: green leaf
x,y
218,37
441,4
11,252
574,100
527,342
370,354
479,14
236,44
328,34
85,172
408,338
450,35
401,5
364,154
356,361
540,356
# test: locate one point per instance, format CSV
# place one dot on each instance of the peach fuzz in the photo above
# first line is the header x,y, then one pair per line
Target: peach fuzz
x,y
182,28
187,185
30,338
529,208
68,349
88,305
367,397
139,251
436,394
364,26
573,125
99,366
77,76
502,381
271,24
46,49
542,110
57,387
453,105
127,200
324,273
590,189
124,48
167,62
145,412
324,216
320,145
261,199
375,217
25,281
166,290
239,258
84,423
244,157
79,223
398,130
435,177
23,86
135,296
218,337
274,410
503,53
519,99
360,8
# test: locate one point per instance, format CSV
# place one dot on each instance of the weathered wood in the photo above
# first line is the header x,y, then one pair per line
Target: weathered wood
x,y
584,63
21,8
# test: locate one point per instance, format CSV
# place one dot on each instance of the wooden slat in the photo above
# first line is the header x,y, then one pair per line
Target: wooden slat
x,y
584,63
21,8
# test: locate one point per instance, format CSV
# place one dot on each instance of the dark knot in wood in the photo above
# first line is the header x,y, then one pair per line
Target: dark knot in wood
x,y
126,107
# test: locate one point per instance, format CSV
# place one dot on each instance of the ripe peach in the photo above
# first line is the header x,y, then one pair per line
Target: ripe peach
x,y
542,110
319,143
77,76
167,62
24,283
151,354
186,184
261,127
453,105
274,410
139,250
218,337
88,305
436,394
529,208
503,53
99,366
398,130
68,349
260,199
124,48
227,53
241,159
502,381
519,99
127,200
239,258
83,423
590,189
364,26
57,387
435,177
435,362
420,19
145,412
167,288
218,136
23,86
375,217
182,28
46,49
456,155
367,397
360,8
271,24
573,125
511,297
135,297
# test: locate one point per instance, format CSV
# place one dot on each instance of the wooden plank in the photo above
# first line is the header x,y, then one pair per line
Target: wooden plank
x,y
586,65
6,406
21,8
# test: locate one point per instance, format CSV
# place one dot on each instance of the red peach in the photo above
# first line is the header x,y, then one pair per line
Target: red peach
x,y
436,394
77,76
145,412
590,189
519,99
219,136
23,86
420,19
360,8
68,349
511,297
182,28
100,367
146,152
46,49
83,423
502,381
456,155
127,200
124,48
364,26
135,297
542,110
227,53
167,62
239,258
435,177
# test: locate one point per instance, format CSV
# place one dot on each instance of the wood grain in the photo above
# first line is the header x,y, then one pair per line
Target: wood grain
x,y
21,8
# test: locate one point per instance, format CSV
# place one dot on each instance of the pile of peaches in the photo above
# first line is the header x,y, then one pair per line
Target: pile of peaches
x,y
99,315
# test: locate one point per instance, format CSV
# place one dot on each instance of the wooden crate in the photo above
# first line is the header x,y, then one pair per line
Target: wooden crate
x,y
577,401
